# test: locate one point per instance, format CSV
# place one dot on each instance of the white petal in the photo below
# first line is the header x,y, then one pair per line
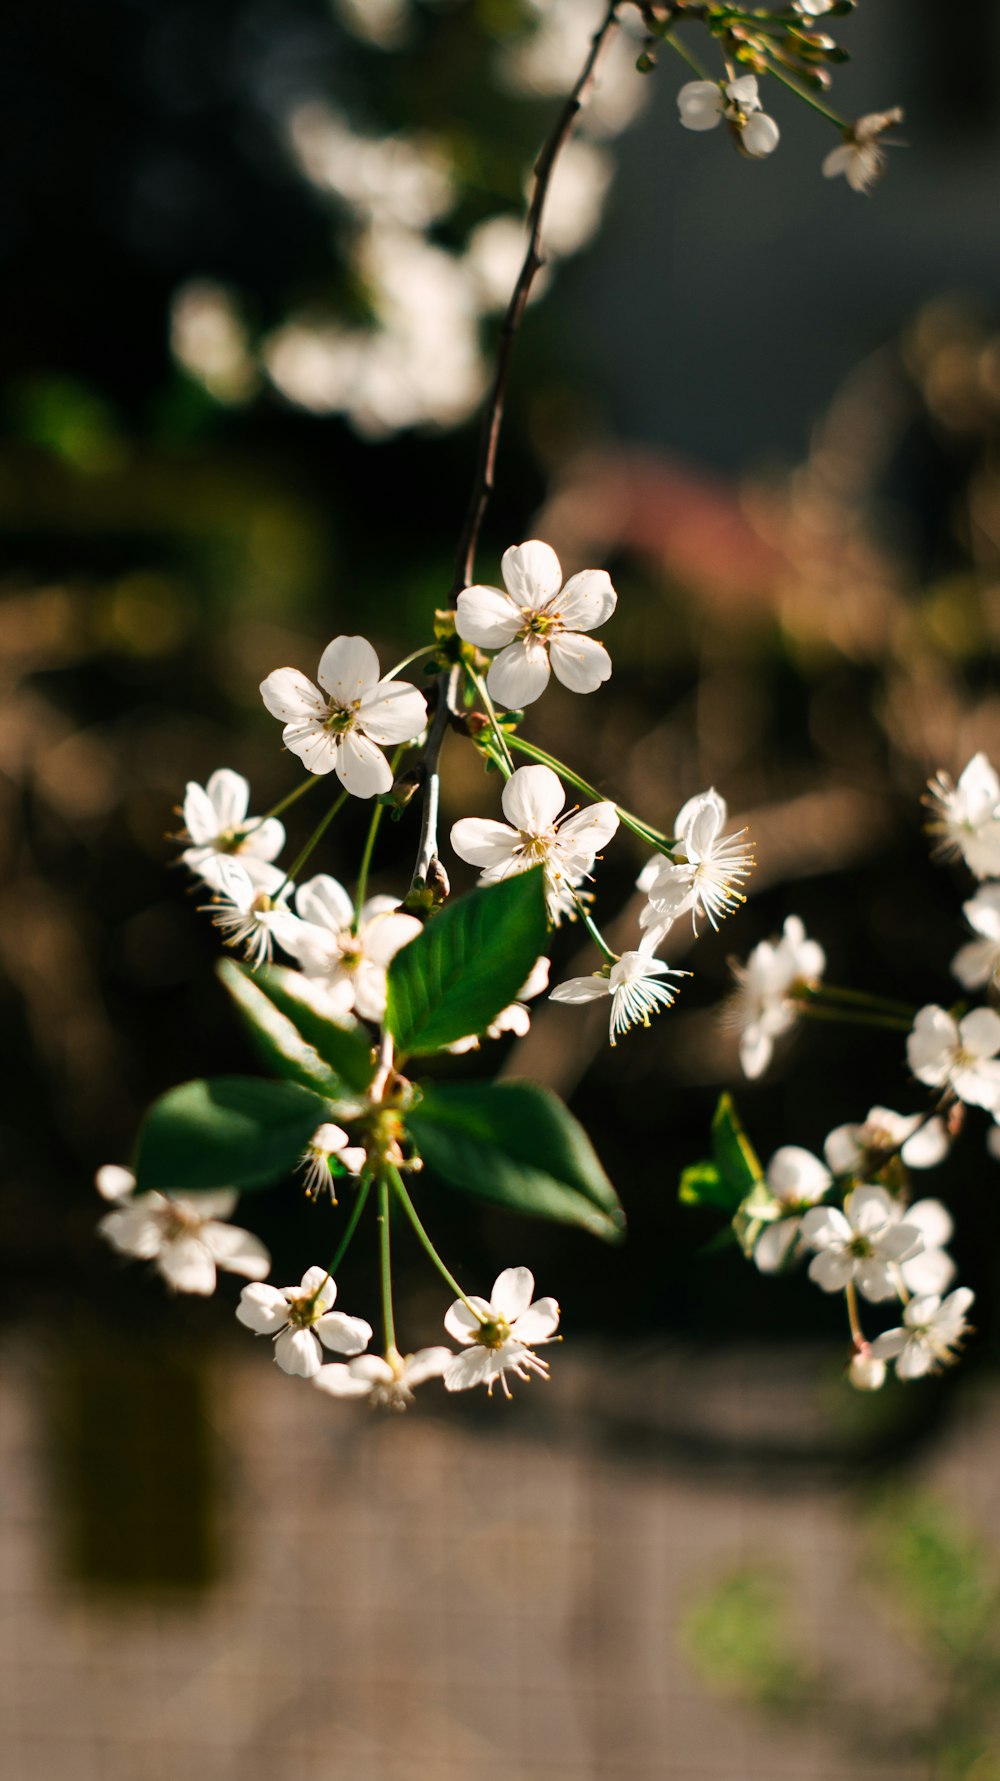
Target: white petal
x,y
876,1281
980,1033
482,841
581,663
700,822
474,1367
519,674
928,1146
487,617
589,831
394,711
264,841
532,799
930,1272
974,963
838,160
361,767
230,796
298,1352
587,600
262,1308
427,1363
744,93
512,1292
581,989
532,573
796,1175
318,1281
756,1052
201,818
345,1335
930,1045
933,1221
915,1362
292,697
237,1251
384,936
842,1150
538,1324
775,1244
135,1230
187,1266
324,902
314,746
700,104
760,135
461,1322
113,1182
348,668
831,1270
340,1382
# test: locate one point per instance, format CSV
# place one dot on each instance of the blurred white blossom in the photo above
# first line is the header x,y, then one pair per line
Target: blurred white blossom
x,y
929,1337
763,1005
966,816
960,1055
185,1236
209,338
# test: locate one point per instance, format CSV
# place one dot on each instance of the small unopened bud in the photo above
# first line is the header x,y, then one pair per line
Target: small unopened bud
x,y
646,63
444,623
437,881
405,788
469,723
866,1372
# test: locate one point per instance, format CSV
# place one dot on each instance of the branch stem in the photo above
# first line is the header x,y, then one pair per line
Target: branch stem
x,y
414,1218
385,1261
314,840
351,1227
651,836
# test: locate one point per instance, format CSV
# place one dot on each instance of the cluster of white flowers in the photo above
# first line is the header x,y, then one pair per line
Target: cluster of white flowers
x,y
769,990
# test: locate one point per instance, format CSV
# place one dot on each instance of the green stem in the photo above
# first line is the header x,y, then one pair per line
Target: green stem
x,y
686,56
291,797
860,998
413,1216
386,1265
506,764
652,837
807,98
314,840
593,930
848,1018
415,656
352,1225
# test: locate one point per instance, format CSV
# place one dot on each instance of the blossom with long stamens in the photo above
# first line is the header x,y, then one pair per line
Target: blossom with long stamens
x,y
216,822
930,1334
185,1236
329,1148
388,1382
960,1055
251,912
966,816
337,730
347,959
705,873
535,834
635,983
300,1318
537,623
499,1334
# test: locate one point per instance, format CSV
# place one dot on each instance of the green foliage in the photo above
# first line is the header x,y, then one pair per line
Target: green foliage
x,y
702,1184
234,1131
734,1154
740,1640
467,965
733,1181
516,1144
292,1037
943,1576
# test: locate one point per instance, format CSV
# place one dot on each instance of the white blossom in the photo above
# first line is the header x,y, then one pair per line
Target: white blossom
x,y
387,1383
337,730
855,1149
635,984
861,156
216,822
865,1243
497,1334
329,1144
252,912
866,1371
764,1006
514,1019
400,180
978,963
932,1268
960,1055
966,819
704,103
534,620
812,9
185,1236
349,963
299,1319
929,1337
705,872
797,1180
534,835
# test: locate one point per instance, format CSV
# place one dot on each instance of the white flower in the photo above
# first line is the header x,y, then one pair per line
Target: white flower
x,y
299,1318
856,1149
866,1372
813,9
960,1055
796,1179
338,733
861,156
252,912
517,1018
705,872
182,1234
329,1143
931,1331
215,818
386,1383
764,1005
349,964
967,817
531,801
496,1334
704,103
864,1243
932,1269
635,985
537,619
978,963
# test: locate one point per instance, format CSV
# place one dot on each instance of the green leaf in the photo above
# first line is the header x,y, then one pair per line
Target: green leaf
x,y
735,1156
758,1209
468,964
234,1131
293,1036
516,1144
703,1184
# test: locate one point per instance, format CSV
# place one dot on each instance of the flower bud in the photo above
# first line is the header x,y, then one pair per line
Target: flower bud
x,y
866,1372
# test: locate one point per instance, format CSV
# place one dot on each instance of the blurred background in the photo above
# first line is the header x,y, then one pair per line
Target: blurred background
x,y
254,254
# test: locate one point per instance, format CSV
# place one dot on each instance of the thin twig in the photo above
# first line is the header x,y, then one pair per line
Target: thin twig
x,y
427,850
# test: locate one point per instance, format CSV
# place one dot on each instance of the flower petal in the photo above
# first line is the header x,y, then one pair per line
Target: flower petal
x,y
519,674
384,936
760,136
318,751
345,1335
262,1308
427,1363
532,799
298,1352
361,767
700,104
539,1323
348,668
324,902
512,1292
235,1250
292,697
581,989
482,841
587,600
230,796
201,818
338,1380
487,617
461,1322
590,830
113,1182
394,711
531,573
775,1244
795,1175
474,1367
581,663
187,1266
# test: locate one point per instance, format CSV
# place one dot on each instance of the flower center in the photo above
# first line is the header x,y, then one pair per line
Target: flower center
x,y
342,718
540,624
303,1310
180,1222
535,847
860,1247
493,1333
